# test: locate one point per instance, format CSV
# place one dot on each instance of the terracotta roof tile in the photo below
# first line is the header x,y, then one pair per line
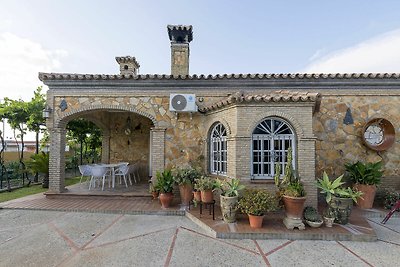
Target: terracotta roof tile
x,y
277,96
313,76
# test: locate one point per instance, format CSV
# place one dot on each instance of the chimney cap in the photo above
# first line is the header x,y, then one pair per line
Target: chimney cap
x,y
180,33
127,59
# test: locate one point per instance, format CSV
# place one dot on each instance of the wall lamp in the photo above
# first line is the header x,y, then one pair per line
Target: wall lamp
x,y
46,112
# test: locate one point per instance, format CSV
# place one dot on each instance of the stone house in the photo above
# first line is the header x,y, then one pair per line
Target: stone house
x,y
243,125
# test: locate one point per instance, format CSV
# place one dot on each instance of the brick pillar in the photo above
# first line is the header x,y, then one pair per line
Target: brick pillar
x,y
157,150
306,169
57,160
105,147
242,157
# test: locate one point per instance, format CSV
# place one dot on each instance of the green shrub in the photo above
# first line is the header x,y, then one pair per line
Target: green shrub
x,y
257,202
365,173
390,198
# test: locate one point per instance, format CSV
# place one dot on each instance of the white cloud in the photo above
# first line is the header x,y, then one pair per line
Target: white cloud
x,y
379,54
20,61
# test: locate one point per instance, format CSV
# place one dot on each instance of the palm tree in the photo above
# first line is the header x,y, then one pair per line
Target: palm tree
x,y
39,163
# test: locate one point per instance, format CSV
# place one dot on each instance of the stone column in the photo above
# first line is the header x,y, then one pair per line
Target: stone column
x,y
105,144
57,160
157,150
306,169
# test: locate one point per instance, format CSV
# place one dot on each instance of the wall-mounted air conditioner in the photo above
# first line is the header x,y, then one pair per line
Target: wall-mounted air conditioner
x,y
182,103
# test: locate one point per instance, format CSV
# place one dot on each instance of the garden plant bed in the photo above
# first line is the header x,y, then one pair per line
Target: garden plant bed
x,y
358,228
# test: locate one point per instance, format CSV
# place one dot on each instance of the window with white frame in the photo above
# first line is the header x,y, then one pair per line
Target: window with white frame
x,y
271,140
218,150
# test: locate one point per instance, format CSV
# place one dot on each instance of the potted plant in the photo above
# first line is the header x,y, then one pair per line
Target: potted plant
x,y
292,192
255,203
205,185
329,217
184,178
152,190
229,190
165,186
312,217
340,199
365,178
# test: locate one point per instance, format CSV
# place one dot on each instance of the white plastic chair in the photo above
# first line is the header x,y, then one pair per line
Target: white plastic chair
x,y
85,171
122,172
98,172
134,171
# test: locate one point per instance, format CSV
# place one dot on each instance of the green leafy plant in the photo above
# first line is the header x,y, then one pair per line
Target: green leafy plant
x,y
257,202
290,184
204,183
165,182
329,213
334,188
228,188
39,163
365,173
390,198
184,176
311,214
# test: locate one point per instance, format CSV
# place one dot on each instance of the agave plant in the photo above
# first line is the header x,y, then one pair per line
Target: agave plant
x,y
334,188
229,188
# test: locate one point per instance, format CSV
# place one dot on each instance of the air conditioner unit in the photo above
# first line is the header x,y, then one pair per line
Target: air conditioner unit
x,y
182,103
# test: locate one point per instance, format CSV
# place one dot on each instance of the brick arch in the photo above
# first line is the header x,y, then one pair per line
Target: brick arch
x,y
63,120
210,124
289,119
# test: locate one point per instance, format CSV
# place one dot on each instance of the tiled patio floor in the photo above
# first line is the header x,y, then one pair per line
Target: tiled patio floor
x,y
358,228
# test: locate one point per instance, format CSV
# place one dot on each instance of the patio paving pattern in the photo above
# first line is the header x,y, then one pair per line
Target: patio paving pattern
x,y
54,238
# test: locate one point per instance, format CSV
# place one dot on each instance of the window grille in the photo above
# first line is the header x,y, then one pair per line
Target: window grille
x,y
270,142
218,150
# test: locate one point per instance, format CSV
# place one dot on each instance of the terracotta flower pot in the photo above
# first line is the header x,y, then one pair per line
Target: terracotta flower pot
x,y
186,194
197,196
256,221
166,199
366,201
294,206
154,194
207,196
228,208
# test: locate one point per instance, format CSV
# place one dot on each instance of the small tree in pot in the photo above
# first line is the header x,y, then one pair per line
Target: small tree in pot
x,y
165,186
365,178
229,190
184,178
255,203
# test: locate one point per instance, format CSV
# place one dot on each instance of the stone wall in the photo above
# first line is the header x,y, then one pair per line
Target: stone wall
x,y
338,143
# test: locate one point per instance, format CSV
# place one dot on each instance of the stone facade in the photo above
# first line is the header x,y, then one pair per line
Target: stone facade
x,y
338,143
314,105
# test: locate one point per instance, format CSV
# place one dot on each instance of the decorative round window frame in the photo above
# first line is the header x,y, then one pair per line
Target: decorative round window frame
x,y
388,134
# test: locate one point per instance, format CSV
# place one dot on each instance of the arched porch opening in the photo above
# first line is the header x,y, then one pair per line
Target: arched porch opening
x,y
127,136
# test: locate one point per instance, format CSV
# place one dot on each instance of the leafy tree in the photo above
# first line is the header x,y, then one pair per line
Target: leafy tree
x,y
87,134
36,122
17,114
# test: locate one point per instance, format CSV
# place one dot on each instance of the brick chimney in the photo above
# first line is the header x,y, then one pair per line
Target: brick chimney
x,y
128,65
180,37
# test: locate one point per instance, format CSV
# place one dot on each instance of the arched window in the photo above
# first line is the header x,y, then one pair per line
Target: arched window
x,y
218,150
271,140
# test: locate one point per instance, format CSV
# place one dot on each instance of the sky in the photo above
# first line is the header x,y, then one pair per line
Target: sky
x,y
77,36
